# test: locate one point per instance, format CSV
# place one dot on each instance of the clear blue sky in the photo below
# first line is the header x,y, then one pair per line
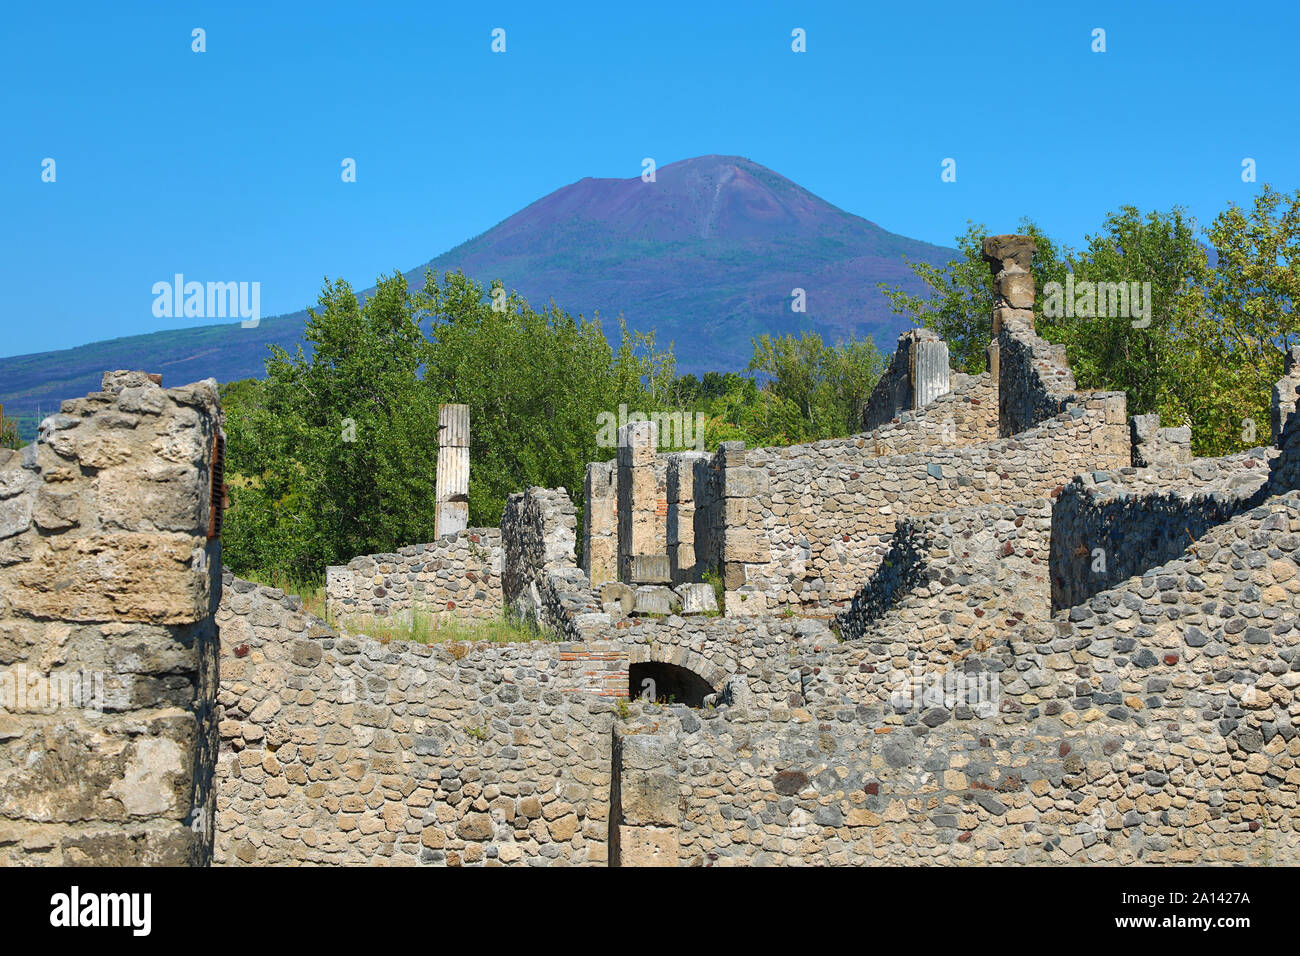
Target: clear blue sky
x,y
225,165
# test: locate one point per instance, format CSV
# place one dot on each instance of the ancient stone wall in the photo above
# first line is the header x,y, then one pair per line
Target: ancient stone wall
x,y
108,557
966,415
821,516
337,749
917,374
600,523
957,578
541,582
1285,395
458,576
1156,728
1110,525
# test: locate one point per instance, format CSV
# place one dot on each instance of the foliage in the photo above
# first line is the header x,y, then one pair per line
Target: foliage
x,y
8,432
960,304
828,386
332,451
1215,340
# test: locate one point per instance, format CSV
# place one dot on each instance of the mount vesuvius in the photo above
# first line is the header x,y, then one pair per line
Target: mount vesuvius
x,y
707,255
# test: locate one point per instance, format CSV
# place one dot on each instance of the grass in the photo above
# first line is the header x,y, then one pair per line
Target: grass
x,y
425,628
311,591
420,627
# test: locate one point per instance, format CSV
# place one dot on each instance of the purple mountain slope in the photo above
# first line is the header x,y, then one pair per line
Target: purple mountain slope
x,y
707,255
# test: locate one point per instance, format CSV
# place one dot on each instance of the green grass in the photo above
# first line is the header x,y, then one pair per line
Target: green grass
x,y
311,591
422,627
426,628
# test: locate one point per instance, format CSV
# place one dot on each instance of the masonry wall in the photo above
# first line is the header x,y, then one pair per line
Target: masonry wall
x,y
337,749
1156,728
1110,525
541,581
459,576
958,578
107,643
821,516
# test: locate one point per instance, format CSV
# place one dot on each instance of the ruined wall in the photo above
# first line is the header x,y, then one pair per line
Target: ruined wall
x,y
459,576
1157,727
1285,394
337,749
541,582
600,523
966,415
957,578
917,374
1110,525
821,516
107,644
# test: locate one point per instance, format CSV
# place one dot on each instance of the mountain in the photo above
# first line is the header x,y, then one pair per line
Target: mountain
x,y
707,255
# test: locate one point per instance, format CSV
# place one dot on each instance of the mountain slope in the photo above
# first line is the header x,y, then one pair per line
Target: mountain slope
x,y
708,256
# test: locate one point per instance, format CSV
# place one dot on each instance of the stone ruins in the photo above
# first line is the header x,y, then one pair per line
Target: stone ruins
x,y
1004,623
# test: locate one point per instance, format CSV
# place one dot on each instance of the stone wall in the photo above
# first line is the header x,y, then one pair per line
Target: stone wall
x,y
1285,394
457,576
1158,727
1110,525
958,578
108,559
600,523
821,516
541,582
918,373
966,415
337,749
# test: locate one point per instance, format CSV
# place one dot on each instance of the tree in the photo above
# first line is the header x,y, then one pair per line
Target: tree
x,y
335,453
1253,298
536,384
8,431
828,385
1149,356
960,303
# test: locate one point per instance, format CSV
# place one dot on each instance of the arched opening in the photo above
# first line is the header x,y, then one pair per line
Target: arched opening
x,y
667,684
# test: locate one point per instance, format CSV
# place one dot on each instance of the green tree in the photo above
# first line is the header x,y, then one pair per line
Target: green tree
x,y
333,452
828,385
1253,319
959,305
537,385
8,431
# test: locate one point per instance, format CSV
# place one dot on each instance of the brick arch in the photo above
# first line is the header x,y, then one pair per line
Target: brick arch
x,y
714,675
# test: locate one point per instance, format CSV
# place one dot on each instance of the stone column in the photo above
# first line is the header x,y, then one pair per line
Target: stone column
x,y
453,470
600,523
683,564
1009,259
109,580
641,550
930,375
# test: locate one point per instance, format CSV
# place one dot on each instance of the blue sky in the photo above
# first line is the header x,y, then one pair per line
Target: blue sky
x,y
225,165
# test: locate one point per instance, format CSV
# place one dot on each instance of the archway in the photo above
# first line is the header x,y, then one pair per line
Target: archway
x,y
668,683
